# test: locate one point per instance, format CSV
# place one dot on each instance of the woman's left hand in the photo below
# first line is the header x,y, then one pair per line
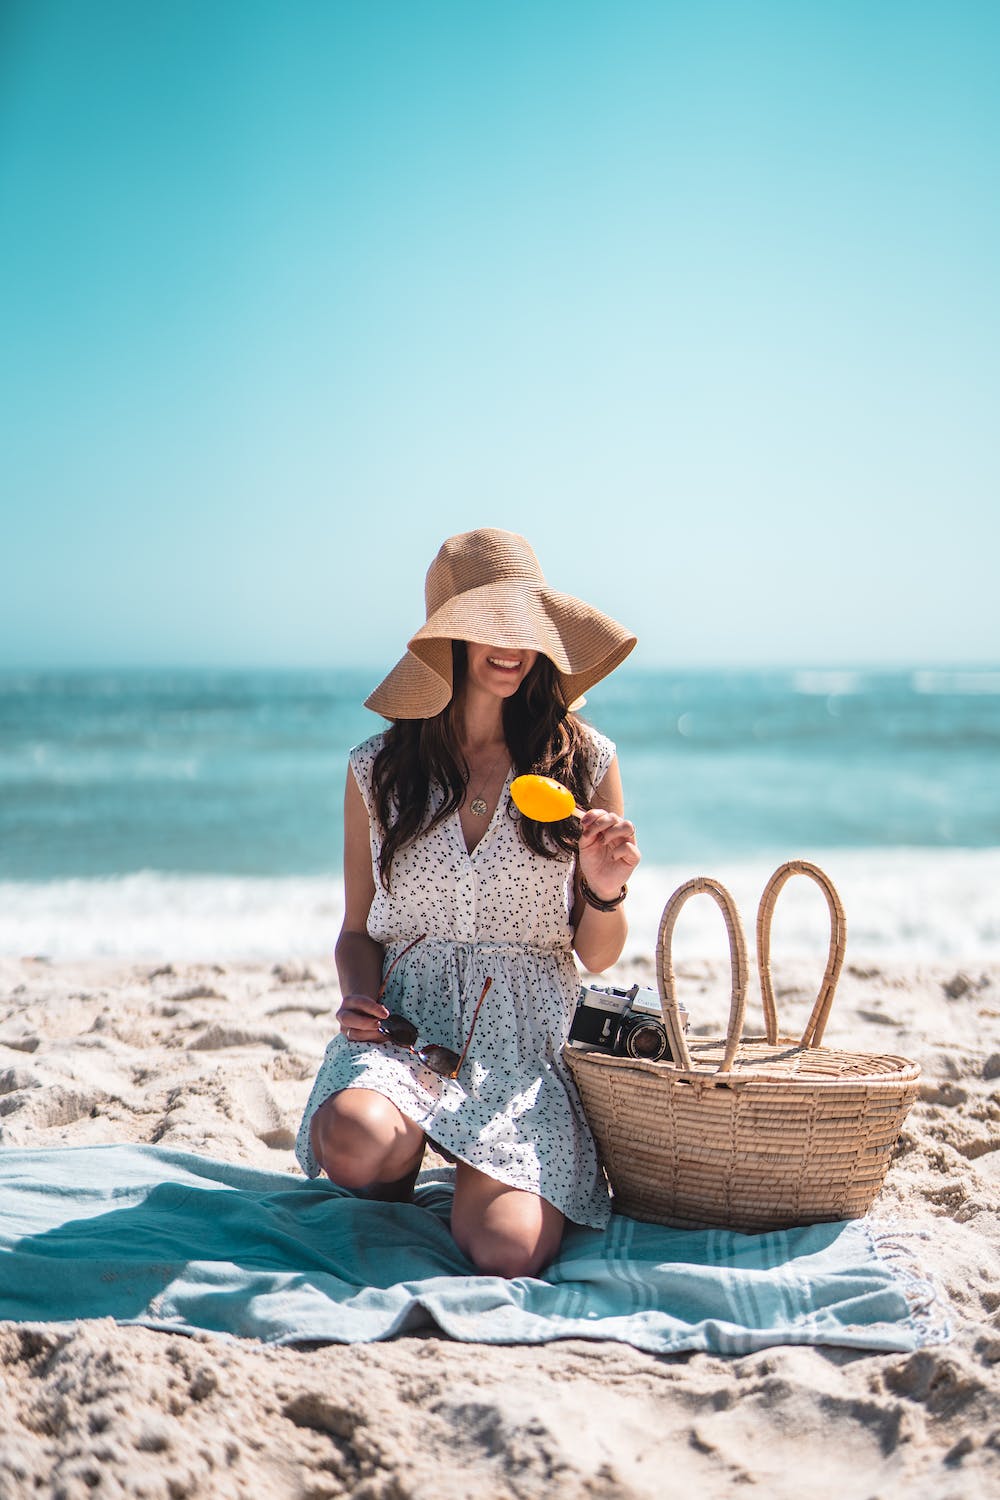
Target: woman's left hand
x,y
607,852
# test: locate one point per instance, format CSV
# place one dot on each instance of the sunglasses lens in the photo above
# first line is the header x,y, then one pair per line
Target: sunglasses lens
x,y
400,1031
439,1059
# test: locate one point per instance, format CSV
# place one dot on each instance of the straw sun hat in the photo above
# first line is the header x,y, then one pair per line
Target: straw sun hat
x,y
487,586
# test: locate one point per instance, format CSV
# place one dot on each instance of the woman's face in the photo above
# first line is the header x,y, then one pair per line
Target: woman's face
x,y
499,670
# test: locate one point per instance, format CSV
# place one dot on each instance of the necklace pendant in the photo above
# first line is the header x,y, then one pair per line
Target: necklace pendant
x,y
478,806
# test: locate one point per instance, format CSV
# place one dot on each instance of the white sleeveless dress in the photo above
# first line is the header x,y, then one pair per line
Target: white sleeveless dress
x,y
502,911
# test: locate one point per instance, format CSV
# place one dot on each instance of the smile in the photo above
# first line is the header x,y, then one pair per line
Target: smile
x,y
503,663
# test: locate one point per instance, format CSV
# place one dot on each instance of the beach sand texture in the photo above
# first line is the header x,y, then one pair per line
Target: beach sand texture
x,y
218,1060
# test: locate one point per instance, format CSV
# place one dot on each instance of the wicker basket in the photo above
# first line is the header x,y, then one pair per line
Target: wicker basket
x,y
748,1133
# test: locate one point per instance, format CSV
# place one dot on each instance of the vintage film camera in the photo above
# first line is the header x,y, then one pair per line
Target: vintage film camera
x,y
625,1022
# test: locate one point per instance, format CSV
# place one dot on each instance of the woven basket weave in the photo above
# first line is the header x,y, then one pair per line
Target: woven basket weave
x,y
750,1133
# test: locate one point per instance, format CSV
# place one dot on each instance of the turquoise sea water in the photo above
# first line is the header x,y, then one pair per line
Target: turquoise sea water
x,y
205,780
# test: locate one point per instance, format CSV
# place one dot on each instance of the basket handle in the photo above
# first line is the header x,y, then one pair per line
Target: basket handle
x,y
816,1025
701,885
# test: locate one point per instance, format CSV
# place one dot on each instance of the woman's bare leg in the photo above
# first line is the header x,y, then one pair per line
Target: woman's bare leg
x,y
363,1142
503,1230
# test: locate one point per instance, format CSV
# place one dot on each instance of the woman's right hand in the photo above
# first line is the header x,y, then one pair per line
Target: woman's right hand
x,y
358,1018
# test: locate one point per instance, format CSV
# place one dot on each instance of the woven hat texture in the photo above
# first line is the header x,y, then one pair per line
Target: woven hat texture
x,y
487,586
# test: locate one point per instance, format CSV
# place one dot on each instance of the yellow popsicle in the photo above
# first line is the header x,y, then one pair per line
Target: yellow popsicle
x,y
543,800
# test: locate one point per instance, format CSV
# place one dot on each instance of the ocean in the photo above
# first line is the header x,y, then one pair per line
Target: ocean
x,y
197,814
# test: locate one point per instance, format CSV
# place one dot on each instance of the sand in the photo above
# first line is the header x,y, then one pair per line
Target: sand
x,y
218,1059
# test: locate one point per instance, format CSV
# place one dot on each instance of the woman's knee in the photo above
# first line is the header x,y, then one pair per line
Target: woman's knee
x,y
508,1256
504,1231
358,1136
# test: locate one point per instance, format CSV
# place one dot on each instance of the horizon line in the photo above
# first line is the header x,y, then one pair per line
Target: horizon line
x,y
983,665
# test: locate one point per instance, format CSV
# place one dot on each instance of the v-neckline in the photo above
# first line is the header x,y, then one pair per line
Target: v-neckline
x,y
489,827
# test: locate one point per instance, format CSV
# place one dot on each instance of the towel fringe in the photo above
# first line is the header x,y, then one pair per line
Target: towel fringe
x,y
893,1242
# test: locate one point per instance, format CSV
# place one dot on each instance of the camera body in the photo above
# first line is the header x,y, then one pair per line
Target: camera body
x,y
624,1022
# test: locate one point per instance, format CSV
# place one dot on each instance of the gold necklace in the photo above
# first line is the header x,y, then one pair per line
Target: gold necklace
x,y
478,804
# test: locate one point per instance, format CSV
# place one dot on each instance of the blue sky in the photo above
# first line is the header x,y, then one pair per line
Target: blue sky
x,y
700,297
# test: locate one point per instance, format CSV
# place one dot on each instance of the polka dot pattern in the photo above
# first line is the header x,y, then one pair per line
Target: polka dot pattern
x,y
501,911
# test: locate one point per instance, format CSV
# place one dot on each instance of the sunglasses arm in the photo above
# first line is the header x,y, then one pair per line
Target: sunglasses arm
x,y
401,954
468,1040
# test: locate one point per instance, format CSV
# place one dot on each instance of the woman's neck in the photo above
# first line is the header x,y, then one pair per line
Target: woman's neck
x,y
480,722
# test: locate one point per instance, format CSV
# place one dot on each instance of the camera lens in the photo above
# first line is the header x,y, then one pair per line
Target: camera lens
x,y
646,1040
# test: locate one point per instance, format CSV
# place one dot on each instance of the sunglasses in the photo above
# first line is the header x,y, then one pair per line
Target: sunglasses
x,y
401,1032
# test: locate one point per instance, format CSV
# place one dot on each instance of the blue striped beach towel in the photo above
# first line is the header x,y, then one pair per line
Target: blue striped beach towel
x,y
170,1240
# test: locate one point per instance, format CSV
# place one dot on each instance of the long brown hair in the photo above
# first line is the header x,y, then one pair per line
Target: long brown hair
x,y
542,735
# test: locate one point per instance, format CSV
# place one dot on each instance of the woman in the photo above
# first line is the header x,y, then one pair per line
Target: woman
x,y
436,856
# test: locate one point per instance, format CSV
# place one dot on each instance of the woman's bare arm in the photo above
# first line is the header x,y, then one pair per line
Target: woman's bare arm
x,y
607,856
359,957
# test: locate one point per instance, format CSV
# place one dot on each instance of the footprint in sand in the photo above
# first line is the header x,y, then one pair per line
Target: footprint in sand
x,y
227,1109
31,1108
218,1037
13,1080
20,1039
253,1100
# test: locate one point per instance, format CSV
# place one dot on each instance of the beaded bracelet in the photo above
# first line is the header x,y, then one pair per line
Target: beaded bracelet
x,y
596,902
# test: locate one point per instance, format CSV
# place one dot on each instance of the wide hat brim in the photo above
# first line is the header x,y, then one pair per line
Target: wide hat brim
x,y
582,643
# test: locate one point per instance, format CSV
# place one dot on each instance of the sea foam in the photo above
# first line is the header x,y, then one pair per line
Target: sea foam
x,y
901,905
